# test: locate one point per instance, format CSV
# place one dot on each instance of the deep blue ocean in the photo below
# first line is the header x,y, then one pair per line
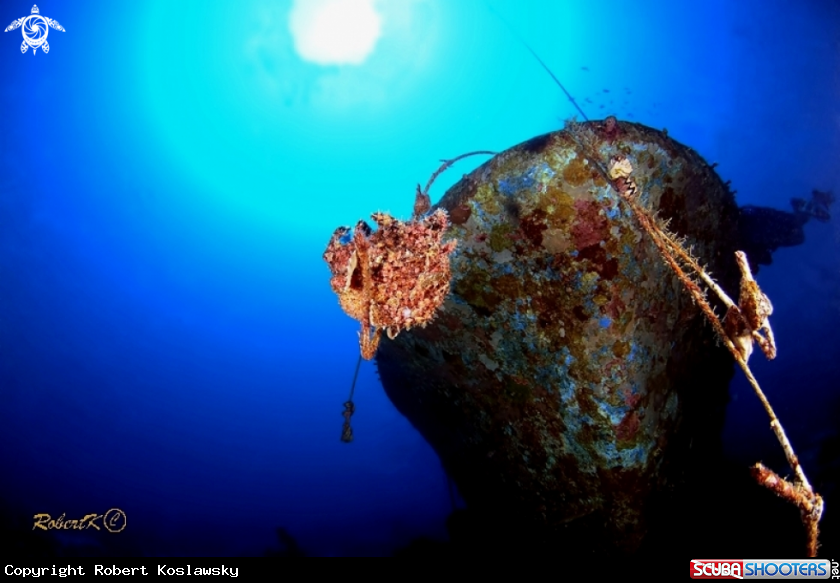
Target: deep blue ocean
x,y
170,175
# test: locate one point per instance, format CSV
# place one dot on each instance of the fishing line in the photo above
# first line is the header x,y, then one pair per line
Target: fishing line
x,y
539,60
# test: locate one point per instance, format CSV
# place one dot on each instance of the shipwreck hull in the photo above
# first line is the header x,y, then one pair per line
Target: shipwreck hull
x,y
568,379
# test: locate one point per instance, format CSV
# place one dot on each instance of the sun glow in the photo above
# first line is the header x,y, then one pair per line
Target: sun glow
x,y
335,32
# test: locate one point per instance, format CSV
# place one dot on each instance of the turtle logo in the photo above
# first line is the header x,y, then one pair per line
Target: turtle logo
x,y
35,29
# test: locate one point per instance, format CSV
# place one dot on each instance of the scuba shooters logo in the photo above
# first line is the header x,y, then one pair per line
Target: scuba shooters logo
x,y
796,569
190,570
35,29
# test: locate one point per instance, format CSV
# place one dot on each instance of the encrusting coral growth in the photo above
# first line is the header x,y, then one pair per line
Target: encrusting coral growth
x,y
397,276
392,278
744,323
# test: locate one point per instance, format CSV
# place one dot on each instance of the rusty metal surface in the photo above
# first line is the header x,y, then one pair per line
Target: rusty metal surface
x,y
567,373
